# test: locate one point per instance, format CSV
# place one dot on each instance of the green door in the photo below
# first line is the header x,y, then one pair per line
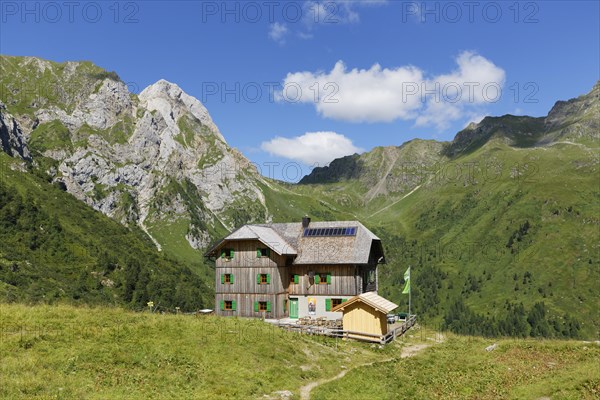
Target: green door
x,y
293,308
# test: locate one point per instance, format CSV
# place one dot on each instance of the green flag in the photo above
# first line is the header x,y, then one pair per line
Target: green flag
x,y
406,289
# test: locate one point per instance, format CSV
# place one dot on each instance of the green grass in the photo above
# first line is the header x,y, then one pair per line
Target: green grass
x,y
171,234
51,136
54,352
99,353
460,368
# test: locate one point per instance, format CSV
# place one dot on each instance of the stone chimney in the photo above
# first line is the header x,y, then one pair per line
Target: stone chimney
x,y
305,221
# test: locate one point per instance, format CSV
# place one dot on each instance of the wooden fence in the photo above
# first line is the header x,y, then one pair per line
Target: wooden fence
x,y
340,333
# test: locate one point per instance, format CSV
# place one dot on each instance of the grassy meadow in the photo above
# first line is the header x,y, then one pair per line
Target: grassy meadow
x,y
66,352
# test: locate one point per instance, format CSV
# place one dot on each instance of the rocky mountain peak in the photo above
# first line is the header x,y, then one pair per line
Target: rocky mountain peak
x,y
172,102
155,159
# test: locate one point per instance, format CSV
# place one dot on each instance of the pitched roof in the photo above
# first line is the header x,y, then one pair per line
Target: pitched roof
x,y
289,239
370,298
265,235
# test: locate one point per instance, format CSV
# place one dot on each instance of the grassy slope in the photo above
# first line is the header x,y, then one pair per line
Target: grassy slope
x,y
465,228
462,217
460,368
93,247
100,353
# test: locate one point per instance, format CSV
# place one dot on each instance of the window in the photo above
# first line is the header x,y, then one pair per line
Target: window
x,y
227,254
262,306
294,279
228,305
323,278
332,303
226,279
263,279
263,252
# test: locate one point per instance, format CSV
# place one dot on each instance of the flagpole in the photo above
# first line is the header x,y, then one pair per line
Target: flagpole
x,y
409,290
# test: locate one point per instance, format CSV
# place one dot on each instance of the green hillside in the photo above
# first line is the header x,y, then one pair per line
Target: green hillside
x,y
460,368
500,226
53,248
500,219
108,353
67,352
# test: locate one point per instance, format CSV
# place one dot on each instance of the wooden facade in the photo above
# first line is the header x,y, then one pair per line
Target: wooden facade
x,y
365,316
253,280
362,318
245,269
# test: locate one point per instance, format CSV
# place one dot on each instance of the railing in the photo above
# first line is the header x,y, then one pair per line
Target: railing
x,y
340,333
399,331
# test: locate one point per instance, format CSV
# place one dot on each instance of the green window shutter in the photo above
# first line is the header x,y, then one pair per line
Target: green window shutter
x,y
222,278
257,252
327,304
268,252
231,278
230,253
268,306
222,305
317,279
329,278
222,253
258,279
256,306
344,300
233,305
268,278
296,279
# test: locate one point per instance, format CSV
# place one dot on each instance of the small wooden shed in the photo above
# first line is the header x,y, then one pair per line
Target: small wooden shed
x,y
365,316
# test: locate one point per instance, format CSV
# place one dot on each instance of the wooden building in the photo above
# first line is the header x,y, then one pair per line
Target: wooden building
x,y
294,270
365,316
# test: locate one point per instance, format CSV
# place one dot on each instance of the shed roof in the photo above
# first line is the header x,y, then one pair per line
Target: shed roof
x,y
289,239
372,299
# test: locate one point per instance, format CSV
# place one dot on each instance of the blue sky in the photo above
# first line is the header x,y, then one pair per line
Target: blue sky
x,y
357,74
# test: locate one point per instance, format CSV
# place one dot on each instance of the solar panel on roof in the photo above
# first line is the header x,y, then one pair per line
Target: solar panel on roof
x,y
323,232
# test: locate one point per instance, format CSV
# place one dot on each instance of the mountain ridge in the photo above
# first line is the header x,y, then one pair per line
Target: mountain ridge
x,y
520,131
512,186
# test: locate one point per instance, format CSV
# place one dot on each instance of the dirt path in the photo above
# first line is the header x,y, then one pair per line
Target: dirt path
x,y
395,202
407,351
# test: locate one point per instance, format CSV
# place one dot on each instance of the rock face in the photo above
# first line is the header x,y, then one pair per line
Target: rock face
x,y
12,139
155,159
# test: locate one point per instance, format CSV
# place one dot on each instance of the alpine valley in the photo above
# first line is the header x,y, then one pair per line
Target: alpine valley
x,y
111,197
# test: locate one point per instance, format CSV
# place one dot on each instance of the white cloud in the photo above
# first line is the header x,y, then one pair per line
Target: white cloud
x,y
315,13
278,32
387,94
311,148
